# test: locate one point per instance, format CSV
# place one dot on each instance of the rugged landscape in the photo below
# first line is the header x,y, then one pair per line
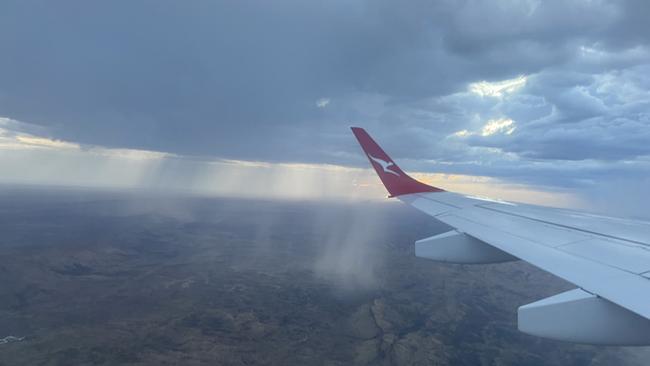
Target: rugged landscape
x,y
105,278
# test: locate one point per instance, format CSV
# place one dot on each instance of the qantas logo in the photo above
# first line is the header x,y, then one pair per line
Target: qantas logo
x,y
385,165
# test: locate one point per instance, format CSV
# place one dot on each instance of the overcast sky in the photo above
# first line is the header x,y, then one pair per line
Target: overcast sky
x,y
550,94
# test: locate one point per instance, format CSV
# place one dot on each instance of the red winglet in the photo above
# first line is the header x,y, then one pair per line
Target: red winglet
x,y
395,180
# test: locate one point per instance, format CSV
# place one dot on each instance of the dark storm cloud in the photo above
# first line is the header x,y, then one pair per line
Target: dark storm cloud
x,y
241,79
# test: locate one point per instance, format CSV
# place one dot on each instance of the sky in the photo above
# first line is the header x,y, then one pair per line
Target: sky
x,y
537,101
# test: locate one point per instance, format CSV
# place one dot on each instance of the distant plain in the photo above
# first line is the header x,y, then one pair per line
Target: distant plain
x,y
105,278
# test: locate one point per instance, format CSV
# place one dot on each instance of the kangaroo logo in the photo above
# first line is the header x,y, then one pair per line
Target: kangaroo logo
x,y
385,165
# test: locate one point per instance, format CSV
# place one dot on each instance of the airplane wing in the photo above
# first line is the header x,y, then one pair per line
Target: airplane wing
x,y
608,259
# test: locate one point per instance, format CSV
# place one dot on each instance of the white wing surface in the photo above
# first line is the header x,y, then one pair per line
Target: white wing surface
x,y
608,259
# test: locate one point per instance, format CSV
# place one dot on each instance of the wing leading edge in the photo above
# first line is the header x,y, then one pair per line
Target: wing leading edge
x,y
608,259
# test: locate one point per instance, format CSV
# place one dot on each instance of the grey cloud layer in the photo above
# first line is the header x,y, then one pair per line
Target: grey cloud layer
x,y
241,79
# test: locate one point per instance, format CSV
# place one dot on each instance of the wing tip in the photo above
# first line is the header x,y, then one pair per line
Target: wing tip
x,y
357,130
396,181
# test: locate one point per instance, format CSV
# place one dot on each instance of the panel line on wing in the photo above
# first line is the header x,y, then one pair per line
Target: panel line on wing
x,y
561,225
426,197
625,256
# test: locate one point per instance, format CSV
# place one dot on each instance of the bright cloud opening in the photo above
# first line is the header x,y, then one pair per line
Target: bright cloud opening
x,y
504,126
498,88
501,125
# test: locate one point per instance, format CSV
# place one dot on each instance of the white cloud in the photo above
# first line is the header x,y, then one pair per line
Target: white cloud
x,y
462,133
505,126
322,102
130,153
497,88
500,125
36,141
